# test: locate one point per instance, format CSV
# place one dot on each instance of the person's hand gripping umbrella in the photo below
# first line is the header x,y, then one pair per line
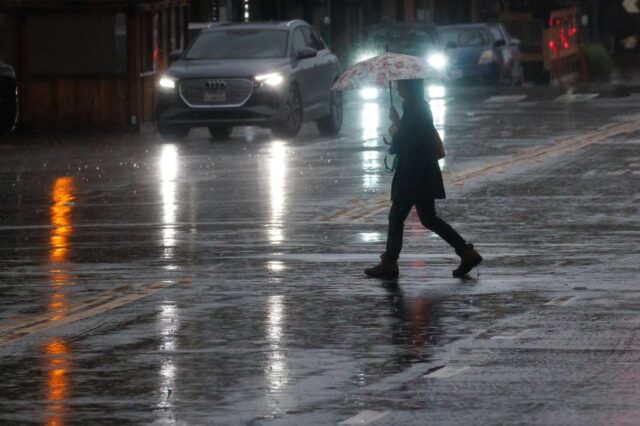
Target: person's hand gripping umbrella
x,y
381,70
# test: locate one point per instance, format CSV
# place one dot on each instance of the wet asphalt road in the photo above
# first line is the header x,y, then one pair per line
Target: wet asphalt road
x,y
146,282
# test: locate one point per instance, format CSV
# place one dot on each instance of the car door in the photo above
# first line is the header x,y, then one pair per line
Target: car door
x,y
503,51
324,69
303,69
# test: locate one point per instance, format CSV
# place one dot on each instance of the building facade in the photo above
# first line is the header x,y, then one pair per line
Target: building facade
x,y
90,64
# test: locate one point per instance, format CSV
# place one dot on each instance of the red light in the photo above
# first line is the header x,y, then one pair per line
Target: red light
x,y
155,53
566,45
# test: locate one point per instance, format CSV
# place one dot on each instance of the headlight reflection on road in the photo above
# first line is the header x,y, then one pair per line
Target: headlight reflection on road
x,y
276,371
168,170
371,163
277,194
370,237
168,326
370,123
439,112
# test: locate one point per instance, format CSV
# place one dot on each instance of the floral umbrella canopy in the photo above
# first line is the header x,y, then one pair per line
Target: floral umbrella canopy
x,y
382,69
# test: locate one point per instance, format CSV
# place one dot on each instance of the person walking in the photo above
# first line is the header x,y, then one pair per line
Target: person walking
x,y
417,182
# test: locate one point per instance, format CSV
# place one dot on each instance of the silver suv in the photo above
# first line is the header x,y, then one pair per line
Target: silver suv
x,y
274,75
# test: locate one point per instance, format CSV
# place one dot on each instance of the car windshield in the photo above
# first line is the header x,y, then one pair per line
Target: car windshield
x,y
403,39
239,44
464,37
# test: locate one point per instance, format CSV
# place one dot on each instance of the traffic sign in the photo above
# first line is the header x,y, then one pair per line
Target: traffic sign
x,y
631,6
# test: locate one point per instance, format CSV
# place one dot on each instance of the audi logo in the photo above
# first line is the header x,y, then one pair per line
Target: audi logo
x,y
215,84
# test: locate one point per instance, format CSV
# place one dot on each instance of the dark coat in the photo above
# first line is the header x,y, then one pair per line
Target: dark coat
x,y
418,175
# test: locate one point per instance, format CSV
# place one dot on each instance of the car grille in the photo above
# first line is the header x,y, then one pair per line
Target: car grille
x,y
216,92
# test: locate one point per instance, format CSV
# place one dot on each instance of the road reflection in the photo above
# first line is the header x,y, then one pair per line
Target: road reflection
x,y
371,158
168,319
417,328
277,164
370,121
168,326
438,106
57,353
168,171
276,368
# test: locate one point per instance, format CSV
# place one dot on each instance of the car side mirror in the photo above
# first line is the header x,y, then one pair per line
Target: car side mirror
x,y
306,52
499,43
451,45
175,55
516,41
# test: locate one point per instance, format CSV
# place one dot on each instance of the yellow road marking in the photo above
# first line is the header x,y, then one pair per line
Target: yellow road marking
x,y
104,302
364,210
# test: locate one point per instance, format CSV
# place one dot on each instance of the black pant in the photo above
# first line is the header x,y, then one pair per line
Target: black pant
x,y
427,213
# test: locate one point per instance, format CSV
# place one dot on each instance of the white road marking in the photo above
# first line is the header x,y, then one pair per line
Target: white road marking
x,y
364,418
505,99
576,97
511,336
561,301
446,372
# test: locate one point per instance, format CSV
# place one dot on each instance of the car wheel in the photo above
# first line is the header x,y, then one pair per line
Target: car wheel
x,y
173,133
290,126
332,123
220,132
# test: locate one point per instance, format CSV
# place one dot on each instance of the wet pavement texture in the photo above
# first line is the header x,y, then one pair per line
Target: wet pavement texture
x,y
149,282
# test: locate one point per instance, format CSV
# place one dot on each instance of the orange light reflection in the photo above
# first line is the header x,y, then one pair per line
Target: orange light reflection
x,y
56,350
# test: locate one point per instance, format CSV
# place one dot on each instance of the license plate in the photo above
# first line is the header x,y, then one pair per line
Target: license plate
x,y
215,97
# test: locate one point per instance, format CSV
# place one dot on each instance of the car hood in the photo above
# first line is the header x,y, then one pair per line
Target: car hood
x,y
225,67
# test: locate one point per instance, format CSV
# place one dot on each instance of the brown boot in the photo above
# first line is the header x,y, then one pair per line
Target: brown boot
x,y
469,259
387,268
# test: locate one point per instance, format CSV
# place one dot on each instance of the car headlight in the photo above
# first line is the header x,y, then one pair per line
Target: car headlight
x,y
363,56
487,57
437,60
368,93
167,83
273,79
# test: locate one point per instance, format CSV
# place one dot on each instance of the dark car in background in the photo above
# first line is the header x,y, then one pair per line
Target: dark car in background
x,y
8,99
275,74
482,52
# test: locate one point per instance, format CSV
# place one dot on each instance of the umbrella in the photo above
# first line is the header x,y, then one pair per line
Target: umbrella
x,y
382,69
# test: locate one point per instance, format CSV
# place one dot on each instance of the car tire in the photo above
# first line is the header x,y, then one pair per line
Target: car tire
x,y
220,132
173,133
290,126
331,124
